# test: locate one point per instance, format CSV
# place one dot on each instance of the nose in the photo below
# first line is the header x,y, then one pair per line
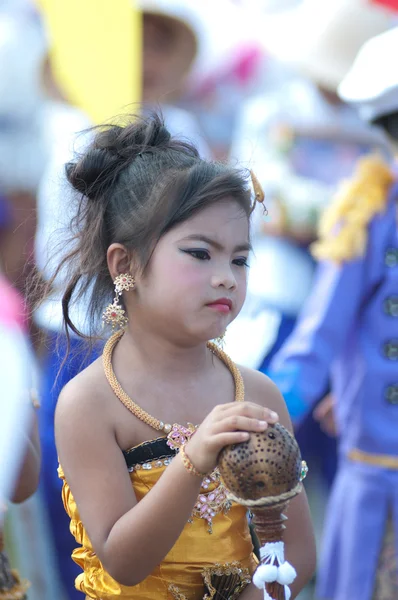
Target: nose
x,y
224,278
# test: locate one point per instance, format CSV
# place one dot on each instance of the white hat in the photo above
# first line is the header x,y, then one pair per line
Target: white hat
x,y
372,82
321,39
220,27
180,11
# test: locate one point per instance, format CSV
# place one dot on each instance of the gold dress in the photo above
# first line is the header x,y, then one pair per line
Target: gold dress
x,y
196,559
213,557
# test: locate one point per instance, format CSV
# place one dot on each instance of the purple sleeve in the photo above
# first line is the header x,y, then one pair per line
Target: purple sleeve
x,y
301,368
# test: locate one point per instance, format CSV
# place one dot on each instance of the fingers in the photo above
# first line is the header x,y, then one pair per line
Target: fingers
x,y
230,437
247,409
227,424
239,423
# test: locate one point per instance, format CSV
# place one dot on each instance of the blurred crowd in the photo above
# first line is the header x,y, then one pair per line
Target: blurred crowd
x,y
254,82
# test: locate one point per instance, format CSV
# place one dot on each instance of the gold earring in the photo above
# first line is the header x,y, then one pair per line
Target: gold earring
x,y
114,314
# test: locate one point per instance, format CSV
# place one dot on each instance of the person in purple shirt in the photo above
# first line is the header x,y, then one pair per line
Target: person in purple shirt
x,y
347,337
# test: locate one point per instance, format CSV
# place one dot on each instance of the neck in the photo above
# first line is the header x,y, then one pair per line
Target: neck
x,y
161,357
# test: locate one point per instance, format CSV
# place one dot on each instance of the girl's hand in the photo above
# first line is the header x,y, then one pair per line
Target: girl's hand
x,y
226,424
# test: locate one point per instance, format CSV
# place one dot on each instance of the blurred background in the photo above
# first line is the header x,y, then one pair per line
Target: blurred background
x,y
252,82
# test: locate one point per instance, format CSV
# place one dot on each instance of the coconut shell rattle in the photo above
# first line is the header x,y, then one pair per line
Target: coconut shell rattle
x,y
264,474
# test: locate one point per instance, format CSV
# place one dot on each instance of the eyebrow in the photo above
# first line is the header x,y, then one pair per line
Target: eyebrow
x,y
246,247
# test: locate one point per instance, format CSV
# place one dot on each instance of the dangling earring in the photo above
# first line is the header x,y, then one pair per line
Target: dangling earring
x,y
220,340
114,314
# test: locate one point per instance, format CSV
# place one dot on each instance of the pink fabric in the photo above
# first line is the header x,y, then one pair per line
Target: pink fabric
x,y
392,4
12,306
241,69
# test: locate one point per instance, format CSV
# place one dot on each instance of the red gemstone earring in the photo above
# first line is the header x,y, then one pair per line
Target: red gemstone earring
x,y
114,314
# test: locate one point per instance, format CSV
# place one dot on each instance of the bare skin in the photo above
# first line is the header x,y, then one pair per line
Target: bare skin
x,y
324,414
163,363
28,478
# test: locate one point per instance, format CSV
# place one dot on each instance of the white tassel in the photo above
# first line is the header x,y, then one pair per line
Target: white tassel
x,y
286,574
257,579
270,573
265,574
272,554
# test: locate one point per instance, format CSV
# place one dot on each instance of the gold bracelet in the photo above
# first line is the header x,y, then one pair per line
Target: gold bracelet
x,y
188,464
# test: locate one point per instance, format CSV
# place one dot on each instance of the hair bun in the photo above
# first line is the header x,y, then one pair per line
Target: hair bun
x,y
113,149
137,137
158,135
89,174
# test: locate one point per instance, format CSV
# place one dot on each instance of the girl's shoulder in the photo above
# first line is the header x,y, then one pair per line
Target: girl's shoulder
x,y
85,420
262,390
87,392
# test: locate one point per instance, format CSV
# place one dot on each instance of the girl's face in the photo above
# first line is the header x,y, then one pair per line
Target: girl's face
x,y
195,284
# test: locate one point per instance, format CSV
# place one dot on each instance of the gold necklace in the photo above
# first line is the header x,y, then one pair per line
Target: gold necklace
x,y
211,501
139,412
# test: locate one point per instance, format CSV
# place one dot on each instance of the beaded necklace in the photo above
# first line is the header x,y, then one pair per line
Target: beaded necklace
x,y
209,503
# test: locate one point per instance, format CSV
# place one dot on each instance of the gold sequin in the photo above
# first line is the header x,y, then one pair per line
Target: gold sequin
x,y
175,592
221,582
225,581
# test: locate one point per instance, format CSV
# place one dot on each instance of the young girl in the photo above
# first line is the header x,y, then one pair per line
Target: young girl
x,y
171,231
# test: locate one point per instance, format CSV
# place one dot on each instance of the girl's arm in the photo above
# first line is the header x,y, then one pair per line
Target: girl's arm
x,y
132,538
28,478
299,538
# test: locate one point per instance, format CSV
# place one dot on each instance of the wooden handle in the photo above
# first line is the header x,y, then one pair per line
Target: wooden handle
x,y
269,525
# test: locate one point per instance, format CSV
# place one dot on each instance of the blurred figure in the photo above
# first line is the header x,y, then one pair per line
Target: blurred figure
x,y
172,34
348,332
231,65
20,458
201,60
300,139
23,144
19,442
24,151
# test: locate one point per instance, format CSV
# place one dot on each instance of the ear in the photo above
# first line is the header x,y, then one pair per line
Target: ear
x,y
119,260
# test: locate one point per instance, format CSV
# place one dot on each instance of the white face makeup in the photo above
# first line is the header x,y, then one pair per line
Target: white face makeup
x,y
196,280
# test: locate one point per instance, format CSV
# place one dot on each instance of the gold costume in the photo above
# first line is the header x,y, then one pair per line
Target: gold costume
x,y
213,557
197,555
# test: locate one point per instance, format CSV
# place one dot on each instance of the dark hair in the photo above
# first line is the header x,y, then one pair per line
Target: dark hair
x,y
389,123
136,182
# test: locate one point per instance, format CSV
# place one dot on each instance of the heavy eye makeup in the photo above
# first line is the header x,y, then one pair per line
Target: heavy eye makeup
x,y
203,254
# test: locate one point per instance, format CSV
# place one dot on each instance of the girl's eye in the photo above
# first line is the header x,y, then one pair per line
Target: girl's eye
x,y
198,254
240,262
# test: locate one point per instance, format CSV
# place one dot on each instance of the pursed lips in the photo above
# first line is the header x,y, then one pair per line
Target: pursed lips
x,y
221,304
